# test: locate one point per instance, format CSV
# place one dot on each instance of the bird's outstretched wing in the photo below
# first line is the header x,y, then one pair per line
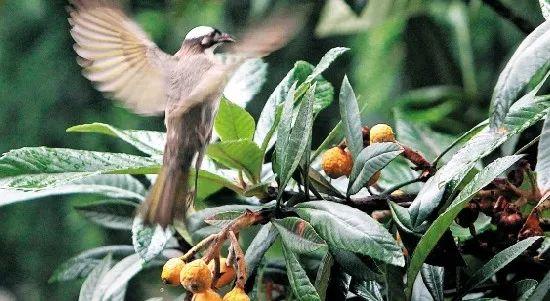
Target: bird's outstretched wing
x,y
272,33
118,56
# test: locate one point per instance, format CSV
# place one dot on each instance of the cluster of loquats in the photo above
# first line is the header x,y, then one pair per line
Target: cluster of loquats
x,y
337,161
197,278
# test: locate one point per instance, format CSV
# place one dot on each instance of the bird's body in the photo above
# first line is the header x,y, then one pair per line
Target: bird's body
x,y
187,86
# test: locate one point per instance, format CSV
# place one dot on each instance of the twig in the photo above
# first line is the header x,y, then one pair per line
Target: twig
x,y
521,23
248,218
194,250
217,272
239,257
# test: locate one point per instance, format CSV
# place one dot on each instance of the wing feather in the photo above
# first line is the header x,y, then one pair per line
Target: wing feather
x,y
118,56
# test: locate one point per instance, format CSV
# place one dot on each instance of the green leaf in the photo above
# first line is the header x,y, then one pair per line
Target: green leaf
x,y
401,216
81,265
545,8
541,291
223,219
351,119
112,186
89,286
242,155
323,275
149,142
41,167
233,122
269,118
499,261
524,113
323,185
393,278
246,81
524,288
292,143
429,240
325,62
543,158
433,279
351,229
371,159
422,139
210,181
259,245
149,240
113,214
299,236
297,277
529,59
283,130
368,290
358,266
113,283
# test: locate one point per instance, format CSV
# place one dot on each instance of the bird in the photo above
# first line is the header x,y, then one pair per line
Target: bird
x,y
124,63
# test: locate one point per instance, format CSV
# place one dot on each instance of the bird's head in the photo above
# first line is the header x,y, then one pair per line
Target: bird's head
x,y
205,38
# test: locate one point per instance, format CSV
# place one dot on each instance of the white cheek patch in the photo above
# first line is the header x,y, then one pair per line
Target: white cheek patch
x,y
198,32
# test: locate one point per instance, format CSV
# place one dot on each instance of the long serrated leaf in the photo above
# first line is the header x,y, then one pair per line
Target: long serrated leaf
x,y
351,119
323,275
541,291
429,240
401,216
393,278
233,122
81,265
499,261
270,116
41,167
325,62
368,290
422,138
530,58
246,82
297,277
433,279
149,240
149,142
524,288
241,154
351,229
284,128
259,245
299,235
371,159
543,158
89,286
113,214
293,150
523,114
114,282
358,266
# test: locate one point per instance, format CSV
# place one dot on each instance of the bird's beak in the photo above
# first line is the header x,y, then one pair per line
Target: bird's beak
x,y
225,38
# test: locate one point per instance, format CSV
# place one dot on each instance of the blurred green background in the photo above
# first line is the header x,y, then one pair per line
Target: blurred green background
x,y
434,61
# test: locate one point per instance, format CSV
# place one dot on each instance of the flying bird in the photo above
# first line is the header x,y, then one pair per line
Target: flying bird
x,y
123,62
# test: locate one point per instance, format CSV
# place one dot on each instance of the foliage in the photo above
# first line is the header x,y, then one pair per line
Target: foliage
x,y
394,239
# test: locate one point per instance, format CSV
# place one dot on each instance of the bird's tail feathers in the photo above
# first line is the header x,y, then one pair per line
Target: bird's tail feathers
x,y
170,197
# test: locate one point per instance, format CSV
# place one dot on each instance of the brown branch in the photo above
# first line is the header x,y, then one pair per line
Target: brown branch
x,y
194,250
239,257
247,219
